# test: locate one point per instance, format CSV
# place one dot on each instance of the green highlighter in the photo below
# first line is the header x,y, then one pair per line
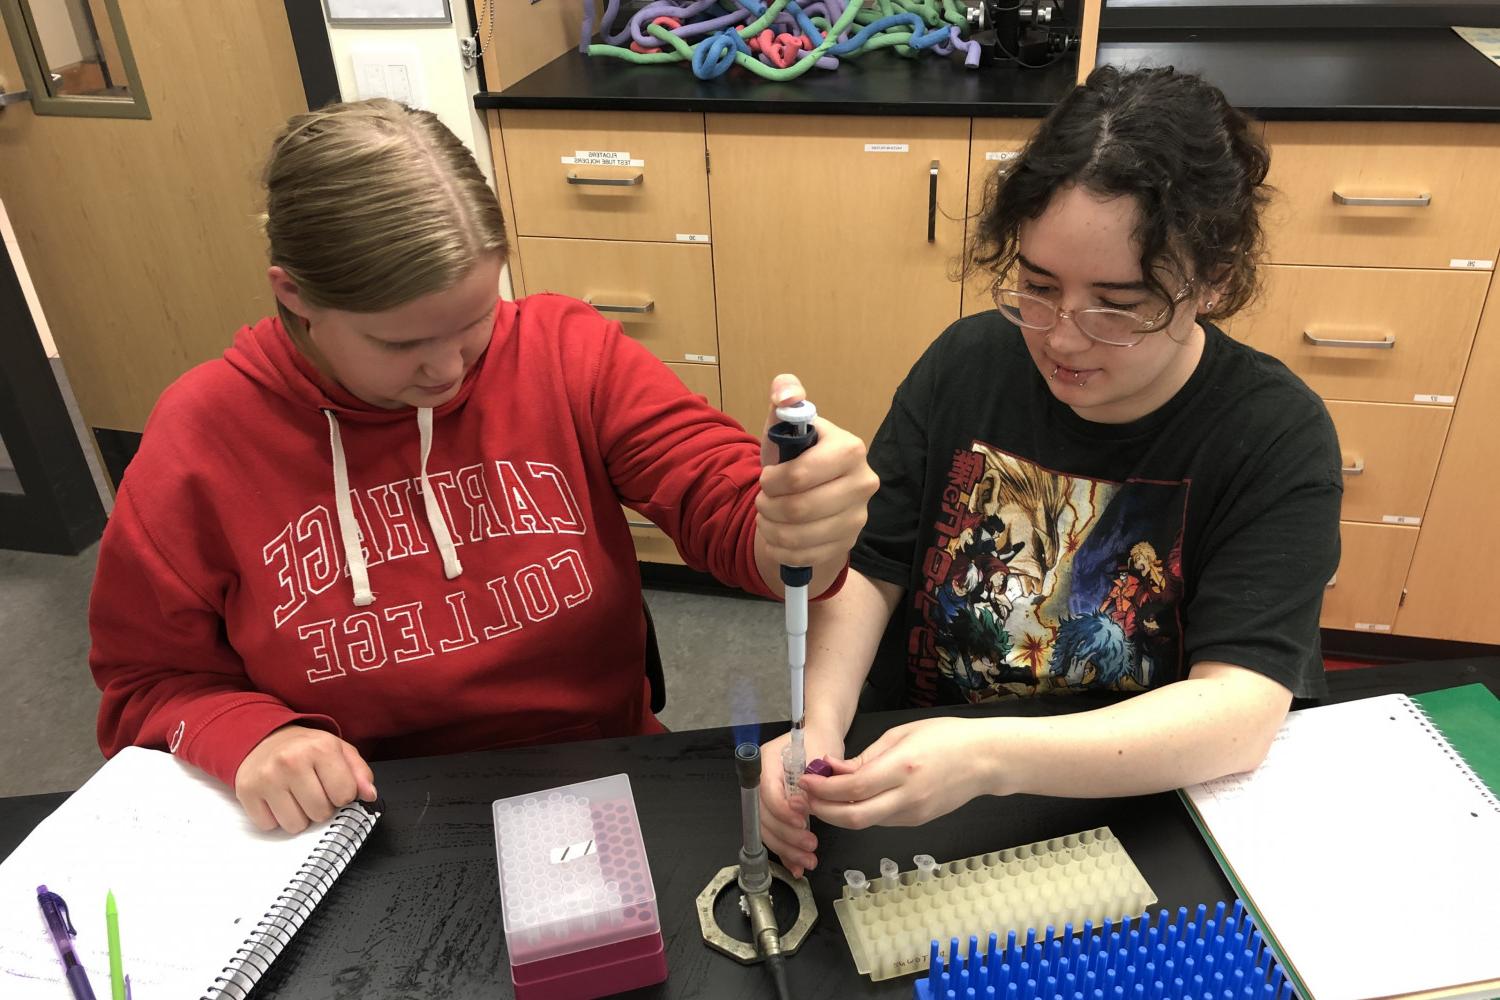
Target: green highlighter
x,y
116,967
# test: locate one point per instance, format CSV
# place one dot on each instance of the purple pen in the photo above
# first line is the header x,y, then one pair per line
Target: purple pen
x,y
60,925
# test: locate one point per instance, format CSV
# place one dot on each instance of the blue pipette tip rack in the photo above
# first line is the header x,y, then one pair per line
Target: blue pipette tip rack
x,y
1215,954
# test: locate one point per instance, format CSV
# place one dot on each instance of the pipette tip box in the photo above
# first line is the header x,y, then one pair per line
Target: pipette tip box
x,y
576,895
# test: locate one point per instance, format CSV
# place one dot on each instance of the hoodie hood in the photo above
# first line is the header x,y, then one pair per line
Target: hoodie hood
x,y
265,353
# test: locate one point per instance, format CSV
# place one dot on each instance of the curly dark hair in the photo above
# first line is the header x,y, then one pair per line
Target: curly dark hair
x,y
1194,165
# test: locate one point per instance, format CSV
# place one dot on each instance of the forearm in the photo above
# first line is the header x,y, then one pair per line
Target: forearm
x,y
843,633
1219,721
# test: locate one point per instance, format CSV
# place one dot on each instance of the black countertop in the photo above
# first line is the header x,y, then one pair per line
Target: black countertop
x,y
881,83
1333,74
1327,74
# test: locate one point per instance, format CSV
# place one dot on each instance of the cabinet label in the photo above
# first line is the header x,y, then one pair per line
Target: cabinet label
x,y
1469,264
887,147
1371,627
692,237
602,158
702,359
1400,519
1433,397
1002,155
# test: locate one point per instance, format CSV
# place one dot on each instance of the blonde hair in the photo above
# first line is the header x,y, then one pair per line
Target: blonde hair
x,y
370,205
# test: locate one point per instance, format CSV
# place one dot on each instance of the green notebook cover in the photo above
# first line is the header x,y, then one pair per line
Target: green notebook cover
x,y
1469,717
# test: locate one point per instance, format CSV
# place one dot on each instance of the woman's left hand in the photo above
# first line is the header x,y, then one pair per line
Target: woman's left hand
x,y
912,774
811,510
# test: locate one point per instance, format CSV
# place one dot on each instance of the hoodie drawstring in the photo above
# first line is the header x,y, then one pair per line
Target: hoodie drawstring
x,y
435,520
354,556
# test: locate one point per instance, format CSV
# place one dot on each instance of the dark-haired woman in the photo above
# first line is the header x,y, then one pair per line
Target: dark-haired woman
x,y
1090,488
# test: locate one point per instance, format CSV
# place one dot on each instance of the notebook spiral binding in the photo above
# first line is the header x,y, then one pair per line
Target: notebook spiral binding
x,y
1480,788
273,932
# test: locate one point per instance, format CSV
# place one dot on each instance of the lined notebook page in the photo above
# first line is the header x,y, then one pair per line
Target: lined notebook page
x,y
190,874
1373,860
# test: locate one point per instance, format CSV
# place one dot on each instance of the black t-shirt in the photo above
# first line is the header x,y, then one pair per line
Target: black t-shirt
x,y
1042,552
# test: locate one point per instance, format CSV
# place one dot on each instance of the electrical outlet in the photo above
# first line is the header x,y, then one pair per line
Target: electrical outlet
x,y
393,71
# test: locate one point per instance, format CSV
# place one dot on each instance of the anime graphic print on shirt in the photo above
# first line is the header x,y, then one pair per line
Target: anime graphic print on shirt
x,y
1039,581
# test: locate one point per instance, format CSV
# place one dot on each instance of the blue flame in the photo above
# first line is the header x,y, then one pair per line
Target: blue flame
x,y
744,718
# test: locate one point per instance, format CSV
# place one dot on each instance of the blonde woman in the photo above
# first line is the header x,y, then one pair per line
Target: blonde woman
x,y
387,522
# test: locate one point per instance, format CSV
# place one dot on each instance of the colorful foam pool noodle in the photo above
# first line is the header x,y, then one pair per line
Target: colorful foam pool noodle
x,y
733,32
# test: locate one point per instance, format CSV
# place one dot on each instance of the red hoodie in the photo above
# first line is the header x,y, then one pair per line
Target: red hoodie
x,y
224,605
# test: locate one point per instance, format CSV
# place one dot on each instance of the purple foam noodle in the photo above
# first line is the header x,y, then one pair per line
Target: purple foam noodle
x,y
663,8
716,24
970,48
606,22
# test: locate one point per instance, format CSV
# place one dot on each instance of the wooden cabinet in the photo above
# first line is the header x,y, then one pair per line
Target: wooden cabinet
x,y
1382,239
1366,591
833,239
607,175
833,250
1379,334
1447,593
662,293
1395,194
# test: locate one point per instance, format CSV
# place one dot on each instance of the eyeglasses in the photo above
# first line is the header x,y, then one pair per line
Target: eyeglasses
x,y
1115,327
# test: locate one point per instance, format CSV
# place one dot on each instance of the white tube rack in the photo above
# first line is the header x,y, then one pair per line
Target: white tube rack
x,y
1065,880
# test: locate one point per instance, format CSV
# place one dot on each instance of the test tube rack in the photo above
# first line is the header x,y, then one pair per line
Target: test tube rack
x,y
576,895
1197,958
890,921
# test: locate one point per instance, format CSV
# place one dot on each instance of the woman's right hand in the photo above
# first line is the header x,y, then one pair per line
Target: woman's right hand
x,y
783,823
299,776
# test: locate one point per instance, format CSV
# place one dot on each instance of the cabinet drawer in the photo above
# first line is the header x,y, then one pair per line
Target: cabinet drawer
x,y
993,142
1390,458
701,379
1422,321
650,184
662,293
1341,187
1366,591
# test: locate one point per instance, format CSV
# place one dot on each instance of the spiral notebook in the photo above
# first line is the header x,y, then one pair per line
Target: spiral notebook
x,y
1368,844
206,901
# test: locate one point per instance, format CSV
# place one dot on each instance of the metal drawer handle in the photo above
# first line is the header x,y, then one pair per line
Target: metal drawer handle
x,y
618,307
639,524
1384,344
630,181
1357,469
1332,580
1409,201
932,181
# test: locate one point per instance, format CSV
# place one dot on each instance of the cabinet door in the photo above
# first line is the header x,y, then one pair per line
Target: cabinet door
x,y
831,254
994,143
1388,194
1448,594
